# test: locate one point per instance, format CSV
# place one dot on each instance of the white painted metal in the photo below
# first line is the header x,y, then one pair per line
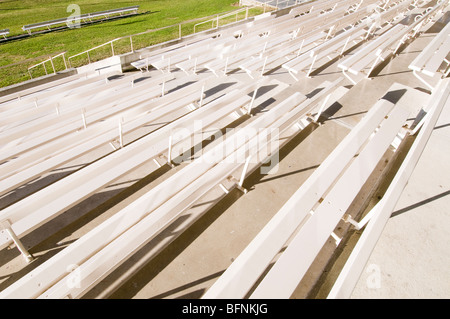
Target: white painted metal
x,y
40,160
68,115
250,264
105,261
42,277
332,46
432,56
58,126
33,211
285,275
381,47
88,16
354,266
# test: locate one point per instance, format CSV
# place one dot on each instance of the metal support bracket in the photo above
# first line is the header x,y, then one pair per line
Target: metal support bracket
x,y
6,225
336,238
348,77
422,80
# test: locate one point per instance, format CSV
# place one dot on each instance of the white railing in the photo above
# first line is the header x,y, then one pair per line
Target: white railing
x,y
217,18
278,3
51,61
111,43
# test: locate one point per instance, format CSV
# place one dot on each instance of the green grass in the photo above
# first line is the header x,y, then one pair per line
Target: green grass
x,y
32,50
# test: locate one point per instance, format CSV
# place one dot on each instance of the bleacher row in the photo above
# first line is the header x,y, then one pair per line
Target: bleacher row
x,y
81,18
125,121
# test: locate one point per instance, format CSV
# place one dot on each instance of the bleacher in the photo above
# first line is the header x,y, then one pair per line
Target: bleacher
x,y
4,32
105,172
82,18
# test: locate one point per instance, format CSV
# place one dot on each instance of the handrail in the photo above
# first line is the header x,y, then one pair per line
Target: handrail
x,y
226,15
111,42
278,3
51,60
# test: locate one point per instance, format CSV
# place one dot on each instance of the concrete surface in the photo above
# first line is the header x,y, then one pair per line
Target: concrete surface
x,y
411,257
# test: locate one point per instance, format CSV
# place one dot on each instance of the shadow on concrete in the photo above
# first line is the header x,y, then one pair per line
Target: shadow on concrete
x,y
192,295
421,203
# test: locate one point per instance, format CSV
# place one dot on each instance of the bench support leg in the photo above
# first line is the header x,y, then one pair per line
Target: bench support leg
x,y
244,171
157,163
336,238
322,107
359,225
83,116
422,80
311,67
250,106
226,191
26,255
169,152
264,66
290,72
379,57
120,134
348,77
200,103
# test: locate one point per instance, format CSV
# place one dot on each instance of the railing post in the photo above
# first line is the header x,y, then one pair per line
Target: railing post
x,y
131,42
64,58
53,66
179,31
112,47
89,58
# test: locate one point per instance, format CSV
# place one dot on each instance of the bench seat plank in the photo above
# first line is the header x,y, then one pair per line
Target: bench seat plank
x,y
251,263
284,276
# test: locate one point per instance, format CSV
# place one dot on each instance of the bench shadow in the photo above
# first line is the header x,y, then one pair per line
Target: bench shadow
x,y
48,239
421,203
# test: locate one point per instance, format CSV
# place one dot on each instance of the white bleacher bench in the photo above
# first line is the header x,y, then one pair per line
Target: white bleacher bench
x,y
31,212
366,59
88,16
66,118
106,13
4,32
258,64
310,30
164,59
432,56
375,220
57,152
33,91
249,32
370,55
142,220
227,48
252,45
308,219
23,109
331,48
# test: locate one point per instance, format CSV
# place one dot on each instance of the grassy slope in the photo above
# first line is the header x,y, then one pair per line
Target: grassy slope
x,y
14,14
